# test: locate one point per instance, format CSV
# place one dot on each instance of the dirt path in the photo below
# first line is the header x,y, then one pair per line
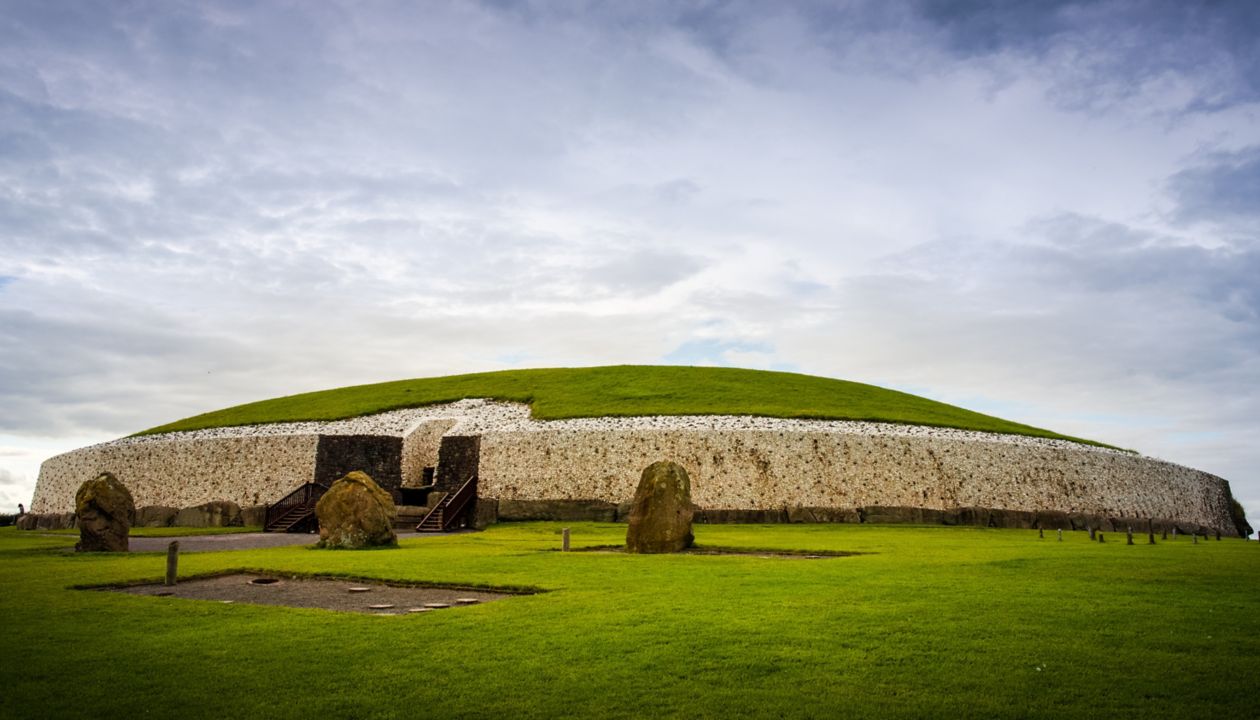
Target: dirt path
x,y
235,541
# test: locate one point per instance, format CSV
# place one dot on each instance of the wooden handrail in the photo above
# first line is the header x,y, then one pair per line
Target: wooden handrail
x,y
453,504
306,495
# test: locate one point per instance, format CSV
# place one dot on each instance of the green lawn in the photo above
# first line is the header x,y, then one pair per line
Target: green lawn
x,y
933,622
624,390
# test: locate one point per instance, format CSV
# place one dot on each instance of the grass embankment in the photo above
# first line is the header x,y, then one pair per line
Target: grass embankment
x,y
936,622
621,391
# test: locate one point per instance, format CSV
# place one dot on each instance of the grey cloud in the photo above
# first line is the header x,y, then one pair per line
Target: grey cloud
x,y
1096,329
204,204
985,26
9,480
1110,50
1225,189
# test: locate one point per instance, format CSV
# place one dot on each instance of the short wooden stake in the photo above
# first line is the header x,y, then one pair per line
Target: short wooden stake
x,y
172,561
1093,534
564,540
1060,534
1100,538
1218,535
1129,533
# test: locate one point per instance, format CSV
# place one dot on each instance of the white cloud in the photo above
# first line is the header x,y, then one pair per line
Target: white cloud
x,y
213,204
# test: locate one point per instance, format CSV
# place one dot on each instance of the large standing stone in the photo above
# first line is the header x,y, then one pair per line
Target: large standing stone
x,y
660,520
105,511
356,513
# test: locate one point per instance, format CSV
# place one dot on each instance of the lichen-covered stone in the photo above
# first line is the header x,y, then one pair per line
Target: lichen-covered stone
x,y
570,510
356,513
156,516
105,511
218,513
254,516
660,521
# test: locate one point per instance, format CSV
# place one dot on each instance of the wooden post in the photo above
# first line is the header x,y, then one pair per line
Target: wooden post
x,y
1060,534
1092,533
564,540
1130,535
1218,534
1041,533
172,562
1100,538
1174,532
1196,538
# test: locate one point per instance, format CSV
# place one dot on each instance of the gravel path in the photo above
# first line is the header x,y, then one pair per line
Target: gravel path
x,y
236,541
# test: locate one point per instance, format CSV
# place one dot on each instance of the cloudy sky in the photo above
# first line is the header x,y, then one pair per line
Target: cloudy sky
x,y
1046,211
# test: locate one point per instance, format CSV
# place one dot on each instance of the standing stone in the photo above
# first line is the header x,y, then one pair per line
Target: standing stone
x,y
356,513
106,511
660,520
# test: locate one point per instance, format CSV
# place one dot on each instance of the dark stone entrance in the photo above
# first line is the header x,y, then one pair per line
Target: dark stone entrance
x,y
380,456
458,459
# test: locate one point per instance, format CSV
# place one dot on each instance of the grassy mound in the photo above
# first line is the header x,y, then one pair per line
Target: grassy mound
x,y
622,391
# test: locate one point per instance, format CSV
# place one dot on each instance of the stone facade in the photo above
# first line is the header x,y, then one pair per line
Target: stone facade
x,y
768,470
178,472
420,449
761,467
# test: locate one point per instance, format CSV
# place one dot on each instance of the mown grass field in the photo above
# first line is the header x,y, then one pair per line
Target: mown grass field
x,y
934,622
621,391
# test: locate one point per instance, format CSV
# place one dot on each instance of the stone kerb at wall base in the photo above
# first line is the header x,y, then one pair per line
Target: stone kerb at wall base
x,y
761,476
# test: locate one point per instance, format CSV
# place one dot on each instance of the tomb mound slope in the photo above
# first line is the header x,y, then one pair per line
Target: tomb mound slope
x,y
625,391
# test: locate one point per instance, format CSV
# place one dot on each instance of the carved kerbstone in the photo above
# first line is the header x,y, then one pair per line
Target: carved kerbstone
x,y
356,513
105,510
660,520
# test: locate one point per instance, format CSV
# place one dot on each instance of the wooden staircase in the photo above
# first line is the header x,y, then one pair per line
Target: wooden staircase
x,y
291,519
295,512
451,511
410,515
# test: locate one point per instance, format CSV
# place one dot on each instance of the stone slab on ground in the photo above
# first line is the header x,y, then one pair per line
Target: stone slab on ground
x,y
326,594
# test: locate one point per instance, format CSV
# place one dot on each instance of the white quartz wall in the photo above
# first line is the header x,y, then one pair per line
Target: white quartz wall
x,y
734,463
762,469
420,449
179,471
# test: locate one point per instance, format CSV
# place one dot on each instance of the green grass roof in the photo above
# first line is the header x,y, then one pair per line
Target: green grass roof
x,y
624,390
